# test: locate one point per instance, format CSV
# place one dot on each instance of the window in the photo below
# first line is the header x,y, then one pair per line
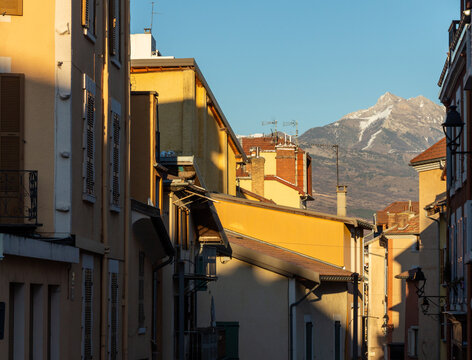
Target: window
x,y
11,7
113,310
54,323
141,317
413,341
88,18
88,171
36,333
308,338
87,307
115,136
114,31
11,120
337,340
229,333
17,321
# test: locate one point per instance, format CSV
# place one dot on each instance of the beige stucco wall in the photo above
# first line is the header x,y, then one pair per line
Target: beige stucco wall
x,y
377,301
28,42
258,300
430,185
404,258
270,166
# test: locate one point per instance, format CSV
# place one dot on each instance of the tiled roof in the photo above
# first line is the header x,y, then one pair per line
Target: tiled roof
x,y
435,152
412,227
263,142
282,254
396,208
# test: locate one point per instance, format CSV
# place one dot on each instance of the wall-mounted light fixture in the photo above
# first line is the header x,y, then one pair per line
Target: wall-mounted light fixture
x,y
453,124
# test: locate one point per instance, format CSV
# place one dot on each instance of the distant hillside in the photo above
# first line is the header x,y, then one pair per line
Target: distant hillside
x,y
375,146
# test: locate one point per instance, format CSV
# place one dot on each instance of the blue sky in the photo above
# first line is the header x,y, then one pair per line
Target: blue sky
x,y
307,60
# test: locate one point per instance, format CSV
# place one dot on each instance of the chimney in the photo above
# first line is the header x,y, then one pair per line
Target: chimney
x,y
257,175
341,191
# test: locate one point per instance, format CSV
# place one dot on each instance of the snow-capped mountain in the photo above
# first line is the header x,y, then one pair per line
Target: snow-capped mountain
x,y
375,147
393,124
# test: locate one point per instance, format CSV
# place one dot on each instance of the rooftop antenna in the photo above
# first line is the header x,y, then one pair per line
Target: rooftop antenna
x,y
152,16
273,122
293,123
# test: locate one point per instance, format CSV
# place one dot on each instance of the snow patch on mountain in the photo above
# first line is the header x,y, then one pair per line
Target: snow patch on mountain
x,y
371,140
365,123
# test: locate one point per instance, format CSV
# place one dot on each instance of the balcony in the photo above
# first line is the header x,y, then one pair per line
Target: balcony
x,y
18,199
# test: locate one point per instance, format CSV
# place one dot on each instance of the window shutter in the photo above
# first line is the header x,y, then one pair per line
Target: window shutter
x,y
113,310
11,114
11,7
88,15
87,314
89,140
115,137
141,316
114,27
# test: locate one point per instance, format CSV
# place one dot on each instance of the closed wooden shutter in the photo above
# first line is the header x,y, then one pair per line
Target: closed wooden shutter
x,y
113,349
11,120
115,28
88,173
87,315
141,315
115,136
11,7
88,15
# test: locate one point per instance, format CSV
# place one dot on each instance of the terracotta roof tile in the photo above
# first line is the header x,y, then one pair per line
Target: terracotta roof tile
x,y
435,152
396,208
279,253
412,227
263,142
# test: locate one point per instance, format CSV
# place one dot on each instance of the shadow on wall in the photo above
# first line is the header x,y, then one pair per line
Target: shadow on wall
x,y
258,300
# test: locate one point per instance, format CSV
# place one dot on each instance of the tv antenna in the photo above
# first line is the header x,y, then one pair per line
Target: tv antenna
x,y
334,147
293,123
273,122
152,15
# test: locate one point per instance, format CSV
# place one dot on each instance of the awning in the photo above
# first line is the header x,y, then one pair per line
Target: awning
x,y
205,218
151,233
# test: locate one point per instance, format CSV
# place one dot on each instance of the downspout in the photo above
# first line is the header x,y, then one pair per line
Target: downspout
x,y
292,306
355,325
104,189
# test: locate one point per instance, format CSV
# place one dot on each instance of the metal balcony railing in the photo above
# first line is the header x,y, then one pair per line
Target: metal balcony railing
x,y
18,197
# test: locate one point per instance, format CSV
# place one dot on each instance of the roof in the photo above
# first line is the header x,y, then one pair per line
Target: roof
x,y
396,208
346,220
281,260
254,195
412,226
145,65
433,153
263,142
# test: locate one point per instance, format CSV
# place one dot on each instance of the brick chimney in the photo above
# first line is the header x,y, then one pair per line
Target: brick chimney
x,y
285,160
341,191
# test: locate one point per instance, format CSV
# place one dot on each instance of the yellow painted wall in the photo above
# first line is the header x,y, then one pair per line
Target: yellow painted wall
x,y
270,165
188,125
316,237
281,194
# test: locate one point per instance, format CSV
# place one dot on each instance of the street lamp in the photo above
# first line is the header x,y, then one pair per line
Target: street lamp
x,y
453,122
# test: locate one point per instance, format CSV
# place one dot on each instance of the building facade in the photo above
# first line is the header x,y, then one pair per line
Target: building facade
x,y
63,176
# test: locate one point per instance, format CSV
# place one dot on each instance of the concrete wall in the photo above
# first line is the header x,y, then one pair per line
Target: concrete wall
x,y
282,194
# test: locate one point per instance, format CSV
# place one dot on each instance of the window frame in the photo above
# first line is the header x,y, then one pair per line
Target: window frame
x,y
18,11
89,31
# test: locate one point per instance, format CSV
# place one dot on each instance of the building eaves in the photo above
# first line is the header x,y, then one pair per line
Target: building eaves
x,y
149,64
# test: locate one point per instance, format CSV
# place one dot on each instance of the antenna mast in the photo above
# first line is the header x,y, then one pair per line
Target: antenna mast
x,y
152,14
293,123
335,147
273,122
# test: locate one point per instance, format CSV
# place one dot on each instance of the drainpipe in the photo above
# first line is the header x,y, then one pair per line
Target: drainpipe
x,y
355,317
181,269
104,189
292,308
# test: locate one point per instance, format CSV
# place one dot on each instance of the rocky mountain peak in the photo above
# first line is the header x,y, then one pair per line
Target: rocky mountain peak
x,y
388,98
